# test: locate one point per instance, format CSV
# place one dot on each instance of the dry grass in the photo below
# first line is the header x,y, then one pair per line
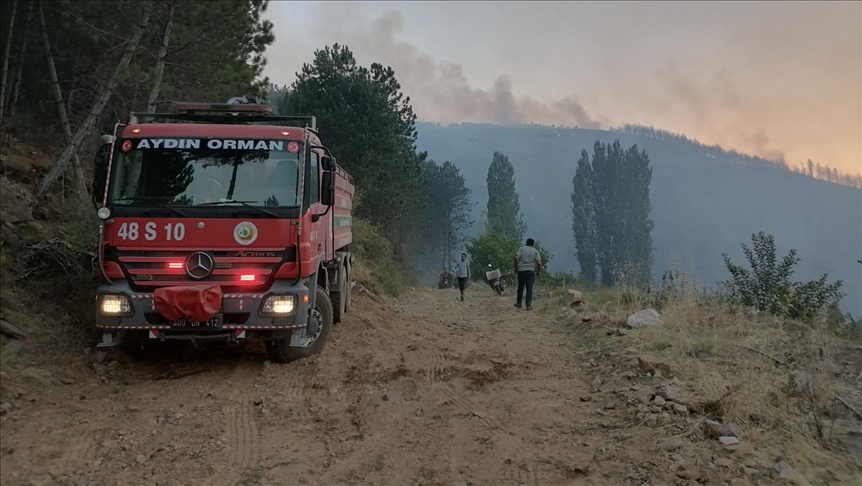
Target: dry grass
x,y
717,351
375,266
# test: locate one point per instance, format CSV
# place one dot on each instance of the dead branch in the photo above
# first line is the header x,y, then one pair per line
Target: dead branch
x,y
849,407
44,259
97,108
710,406
195,40
773,358
11,330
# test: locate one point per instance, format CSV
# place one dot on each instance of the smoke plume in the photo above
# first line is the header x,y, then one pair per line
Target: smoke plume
x,y
755,84
440,90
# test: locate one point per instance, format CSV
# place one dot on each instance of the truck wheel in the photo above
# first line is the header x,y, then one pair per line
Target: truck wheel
x,y
348,289
338,303
320,318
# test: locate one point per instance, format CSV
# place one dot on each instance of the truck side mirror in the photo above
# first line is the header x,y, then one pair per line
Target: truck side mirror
x,y
327,193
100,172
328,163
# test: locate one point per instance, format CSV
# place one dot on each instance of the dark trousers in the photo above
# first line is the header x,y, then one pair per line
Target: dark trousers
x,y
462,284
526,279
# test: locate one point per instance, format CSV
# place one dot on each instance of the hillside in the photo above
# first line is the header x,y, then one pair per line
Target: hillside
x,y
705,201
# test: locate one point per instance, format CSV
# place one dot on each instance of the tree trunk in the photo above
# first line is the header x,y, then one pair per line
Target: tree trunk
x,y
107,90
81,183
19,68
159,73
5,71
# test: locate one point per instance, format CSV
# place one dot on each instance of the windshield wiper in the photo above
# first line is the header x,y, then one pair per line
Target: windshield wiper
x,y
153,199
243,203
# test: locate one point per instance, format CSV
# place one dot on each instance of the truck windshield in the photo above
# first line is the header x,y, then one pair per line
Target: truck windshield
x,y
200,172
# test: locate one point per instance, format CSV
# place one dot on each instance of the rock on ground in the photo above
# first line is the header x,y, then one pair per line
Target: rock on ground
x,y
644,318
715,429
649,363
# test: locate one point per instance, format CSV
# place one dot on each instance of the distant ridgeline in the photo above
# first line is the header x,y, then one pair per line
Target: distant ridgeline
x,y
706,200
809,168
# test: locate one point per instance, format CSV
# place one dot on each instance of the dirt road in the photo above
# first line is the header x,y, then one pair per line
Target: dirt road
x,y
427,390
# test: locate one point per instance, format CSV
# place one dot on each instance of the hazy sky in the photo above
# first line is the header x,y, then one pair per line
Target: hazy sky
x,y
770,78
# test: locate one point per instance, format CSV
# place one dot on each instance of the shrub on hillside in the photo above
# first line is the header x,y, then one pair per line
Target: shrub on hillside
x,y
376,267
498,251
565,280
767,287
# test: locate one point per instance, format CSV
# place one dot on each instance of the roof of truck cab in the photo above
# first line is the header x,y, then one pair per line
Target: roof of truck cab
x,y
204,130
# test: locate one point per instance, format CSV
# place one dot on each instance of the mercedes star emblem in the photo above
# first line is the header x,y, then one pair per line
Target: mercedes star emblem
x,y
199,265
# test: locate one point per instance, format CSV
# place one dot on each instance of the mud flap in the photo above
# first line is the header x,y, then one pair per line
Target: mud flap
x,y
300,338
108,341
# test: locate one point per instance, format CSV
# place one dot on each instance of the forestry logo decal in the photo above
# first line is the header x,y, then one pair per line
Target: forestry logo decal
x,y
212,144
245,233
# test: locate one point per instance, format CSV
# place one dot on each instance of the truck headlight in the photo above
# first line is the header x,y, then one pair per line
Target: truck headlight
x,y
278,305
115,305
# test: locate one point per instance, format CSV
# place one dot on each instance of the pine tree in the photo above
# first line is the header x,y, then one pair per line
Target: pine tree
x,y
450,210
504,207
205,51
370,127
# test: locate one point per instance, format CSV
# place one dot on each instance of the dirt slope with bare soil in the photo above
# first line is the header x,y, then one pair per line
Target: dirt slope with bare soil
x,y
424,391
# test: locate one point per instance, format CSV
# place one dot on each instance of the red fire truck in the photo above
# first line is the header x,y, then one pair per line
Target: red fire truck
x,y
222,222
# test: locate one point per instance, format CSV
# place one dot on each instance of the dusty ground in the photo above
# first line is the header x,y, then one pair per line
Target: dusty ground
x,y
424,391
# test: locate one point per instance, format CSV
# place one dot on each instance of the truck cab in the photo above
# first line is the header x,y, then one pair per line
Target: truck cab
x,y
222,222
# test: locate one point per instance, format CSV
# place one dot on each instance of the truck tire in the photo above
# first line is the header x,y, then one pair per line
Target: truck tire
x,y
280,350
338,299
348,289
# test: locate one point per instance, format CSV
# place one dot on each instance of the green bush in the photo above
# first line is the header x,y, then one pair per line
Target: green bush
x,y
564,280
376,267
493,250
766,286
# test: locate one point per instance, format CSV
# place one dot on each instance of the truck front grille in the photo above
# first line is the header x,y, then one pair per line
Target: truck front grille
x,y
234,268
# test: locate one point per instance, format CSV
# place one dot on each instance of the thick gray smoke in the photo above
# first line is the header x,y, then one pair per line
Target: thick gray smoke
x,y
441,91
718,108
739,88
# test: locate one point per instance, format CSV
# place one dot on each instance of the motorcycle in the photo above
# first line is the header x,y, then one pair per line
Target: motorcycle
x,y
495,280
446,281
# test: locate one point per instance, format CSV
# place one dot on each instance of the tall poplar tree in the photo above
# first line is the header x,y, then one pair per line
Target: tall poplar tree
x,y
504,207
611,209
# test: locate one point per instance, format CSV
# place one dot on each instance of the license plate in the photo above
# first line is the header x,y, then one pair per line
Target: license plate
x,y
211,323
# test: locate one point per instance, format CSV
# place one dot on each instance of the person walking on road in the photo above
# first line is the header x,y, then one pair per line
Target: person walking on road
x,y
463,273
528,264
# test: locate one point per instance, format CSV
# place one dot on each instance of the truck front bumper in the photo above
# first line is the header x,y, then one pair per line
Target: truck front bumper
x,y
239,317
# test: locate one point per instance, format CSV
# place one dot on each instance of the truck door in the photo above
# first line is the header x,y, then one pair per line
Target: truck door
x,y
319,234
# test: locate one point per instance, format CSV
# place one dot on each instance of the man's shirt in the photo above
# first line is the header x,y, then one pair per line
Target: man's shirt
x,y
528,256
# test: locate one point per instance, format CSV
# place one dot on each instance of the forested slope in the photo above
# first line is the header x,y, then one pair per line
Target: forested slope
x,y
705,201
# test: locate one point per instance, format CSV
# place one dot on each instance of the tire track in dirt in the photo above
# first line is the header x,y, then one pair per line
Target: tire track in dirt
x,y
435,363
240,430
435,367
359,325
87,438
526,468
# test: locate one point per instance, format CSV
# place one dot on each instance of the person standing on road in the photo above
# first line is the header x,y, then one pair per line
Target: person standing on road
x,y
528,264
463,273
